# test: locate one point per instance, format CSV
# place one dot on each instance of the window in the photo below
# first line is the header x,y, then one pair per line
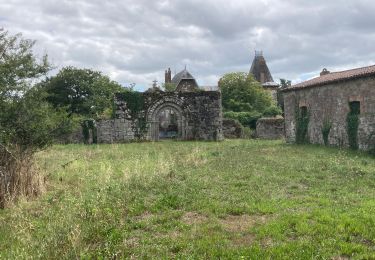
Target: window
x,y
303,111
355,107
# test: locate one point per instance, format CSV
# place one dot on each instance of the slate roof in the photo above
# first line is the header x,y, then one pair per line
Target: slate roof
x,y
335,77
258,67
181,76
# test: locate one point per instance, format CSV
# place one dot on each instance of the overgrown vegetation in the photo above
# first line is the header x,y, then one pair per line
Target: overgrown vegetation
x,y
81,92
89,131
302,118
240,199
245,100
27,122
135,110
326,129
352,122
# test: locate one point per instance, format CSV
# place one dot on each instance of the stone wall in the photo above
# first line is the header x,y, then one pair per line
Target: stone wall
x,y
270,128
232,129
331,103
199,117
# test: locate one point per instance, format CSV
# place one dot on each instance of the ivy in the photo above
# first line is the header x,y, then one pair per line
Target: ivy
x,y
135,105
302,123
326,129
87,126
352,121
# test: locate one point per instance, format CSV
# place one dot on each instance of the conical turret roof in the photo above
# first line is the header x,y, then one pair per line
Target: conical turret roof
x,y
259,69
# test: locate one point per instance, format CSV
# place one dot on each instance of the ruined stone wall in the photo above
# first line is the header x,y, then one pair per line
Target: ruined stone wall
x,y
331,102
232,128
114,131
270,128
200,116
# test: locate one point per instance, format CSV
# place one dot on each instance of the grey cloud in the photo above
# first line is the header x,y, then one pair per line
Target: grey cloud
x,y
134,41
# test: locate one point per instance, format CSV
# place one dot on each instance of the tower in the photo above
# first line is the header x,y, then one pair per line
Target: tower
x,y
259,68
168,76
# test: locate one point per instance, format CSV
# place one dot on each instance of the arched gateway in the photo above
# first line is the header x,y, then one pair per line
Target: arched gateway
x,y
166,121
161,115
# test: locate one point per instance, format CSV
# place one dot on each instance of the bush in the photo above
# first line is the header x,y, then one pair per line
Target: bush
x,y
27,123
247,119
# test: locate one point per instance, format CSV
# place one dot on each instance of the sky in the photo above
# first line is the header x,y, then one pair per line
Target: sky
x,y
134,41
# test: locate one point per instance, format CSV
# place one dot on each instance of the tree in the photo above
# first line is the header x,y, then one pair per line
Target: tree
x,y
169,87
245,99
27,122
280,99
81,91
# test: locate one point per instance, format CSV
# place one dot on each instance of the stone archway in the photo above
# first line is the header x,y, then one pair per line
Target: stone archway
x,y
155,119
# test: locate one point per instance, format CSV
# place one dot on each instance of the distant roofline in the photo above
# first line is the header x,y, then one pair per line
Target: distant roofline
x,y
334,77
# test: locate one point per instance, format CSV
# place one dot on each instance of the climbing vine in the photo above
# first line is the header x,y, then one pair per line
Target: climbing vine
x,y
88,126
326,129
352,121
302,123
135,107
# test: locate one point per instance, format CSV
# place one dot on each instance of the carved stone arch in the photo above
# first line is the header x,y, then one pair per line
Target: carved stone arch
x,y
153,118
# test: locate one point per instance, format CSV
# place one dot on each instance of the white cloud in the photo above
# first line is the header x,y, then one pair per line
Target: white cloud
x,y
134,41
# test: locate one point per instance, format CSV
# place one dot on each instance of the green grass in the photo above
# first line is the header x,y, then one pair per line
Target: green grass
x,y
234,199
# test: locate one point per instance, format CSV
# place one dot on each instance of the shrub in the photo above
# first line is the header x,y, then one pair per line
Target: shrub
x,y
27,122
247,119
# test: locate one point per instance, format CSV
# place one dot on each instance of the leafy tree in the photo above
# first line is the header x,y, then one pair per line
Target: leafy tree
x,y
245,99
81,91
169,87
27,122
280,99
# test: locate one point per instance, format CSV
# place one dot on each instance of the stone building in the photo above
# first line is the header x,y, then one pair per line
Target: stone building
x,y
326,102
262,74
184,114
183,81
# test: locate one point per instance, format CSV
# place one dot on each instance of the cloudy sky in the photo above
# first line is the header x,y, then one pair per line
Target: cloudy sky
x,y
135,40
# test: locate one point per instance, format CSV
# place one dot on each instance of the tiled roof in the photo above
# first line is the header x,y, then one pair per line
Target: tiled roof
x,y
334,77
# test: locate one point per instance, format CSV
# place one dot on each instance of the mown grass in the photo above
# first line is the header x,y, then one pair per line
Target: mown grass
x,y
234,199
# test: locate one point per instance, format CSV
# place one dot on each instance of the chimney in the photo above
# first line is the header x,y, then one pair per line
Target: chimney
x,y
168,76
324,72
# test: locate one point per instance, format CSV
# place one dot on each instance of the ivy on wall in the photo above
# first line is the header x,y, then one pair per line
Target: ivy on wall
x,y
135,105
352,121
89,130
326,129
302,123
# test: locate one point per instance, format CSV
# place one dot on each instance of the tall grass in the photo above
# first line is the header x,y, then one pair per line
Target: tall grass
x,y
18,177
238,199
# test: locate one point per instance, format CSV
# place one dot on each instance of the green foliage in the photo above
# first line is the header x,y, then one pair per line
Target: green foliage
x,y
165,200
81,91
326,129
302,124
280,99
272,111
26,120
242,93
247,119
352,122
135,106
169,87
245,99
248,133
89,130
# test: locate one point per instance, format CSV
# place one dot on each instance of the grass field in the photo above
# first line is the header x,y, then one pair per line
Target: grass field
x,y
235,199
